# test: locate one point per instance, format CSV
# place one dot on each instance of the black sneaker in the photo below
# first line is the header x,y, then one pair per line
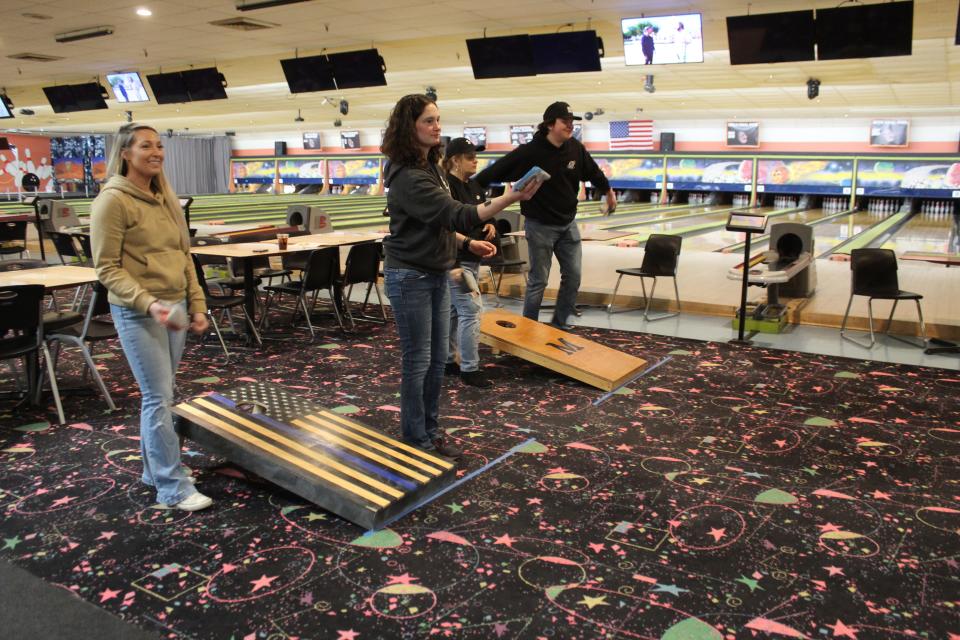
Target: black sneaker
x,y
451,369
447,450
560,326
475,379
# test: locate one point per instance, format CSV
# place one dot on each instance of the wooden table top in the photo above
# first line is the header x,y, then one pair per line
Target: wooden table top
x,y
16,217
56,277
296,244
334,239
932,256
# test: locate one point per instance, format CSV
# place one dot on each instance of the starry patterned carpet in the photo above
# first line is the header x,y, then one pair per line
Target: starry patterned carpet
x,y
729,493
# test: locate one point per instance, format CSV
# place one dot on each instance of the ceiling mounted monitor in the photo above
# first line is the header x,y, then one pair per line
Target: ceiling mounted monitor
x,y
356,69
313,73
127,87
865,31
675,39
168,88
204,84
503,57
567,52
67,98
6,107
771,37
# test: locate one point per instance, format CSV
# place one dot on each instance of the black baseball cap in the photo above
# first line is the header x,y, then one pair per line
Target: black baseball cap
x,y
459,146
559,110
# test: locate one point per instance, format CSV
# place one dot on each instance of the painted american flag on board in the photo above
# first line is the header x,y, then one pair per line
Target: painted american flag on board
x,y
635,135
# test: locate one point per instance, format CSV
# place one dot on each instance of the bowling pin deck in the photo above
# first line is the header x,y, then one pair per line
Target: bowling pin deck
x,y
328,459
563,352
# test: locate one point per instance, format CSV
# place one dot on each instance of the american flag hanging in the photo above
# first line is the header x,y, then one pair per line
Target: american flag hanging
x,y
635,135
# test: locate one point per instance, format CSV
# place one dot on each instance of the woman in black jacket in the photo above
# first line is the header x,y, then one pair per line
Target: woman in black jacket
x,y
426,226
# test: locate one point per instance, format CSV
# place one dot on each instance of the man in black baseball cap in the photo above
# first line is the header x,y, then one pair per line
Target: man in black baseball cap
x,y
550,226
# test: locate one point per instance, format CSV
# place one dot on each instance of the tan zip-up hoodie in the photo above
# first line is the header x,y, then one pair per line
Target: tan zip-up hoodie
x,y
141,248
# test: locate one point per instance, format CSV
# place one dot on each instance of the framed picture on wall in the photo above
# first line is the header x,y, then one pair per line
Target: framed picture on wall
x,y
350,139
889,133
521,134
743,135
311,140
476,135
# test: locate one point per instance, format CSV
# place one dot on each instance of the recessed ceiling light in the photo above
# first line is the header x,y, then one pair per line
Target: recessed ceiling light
x,y
143,11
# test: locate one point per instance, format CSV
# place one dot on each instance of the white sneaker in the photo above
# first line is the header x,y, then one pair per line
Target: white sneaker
x,y
194,502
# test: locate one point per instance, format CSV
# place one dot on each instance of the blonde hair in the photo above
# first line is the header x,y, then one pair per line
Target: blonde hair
x,y
117,166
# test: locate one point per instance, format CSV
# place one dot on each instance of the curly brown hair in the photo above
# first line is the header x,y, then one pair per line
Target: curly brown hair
x,y
400,139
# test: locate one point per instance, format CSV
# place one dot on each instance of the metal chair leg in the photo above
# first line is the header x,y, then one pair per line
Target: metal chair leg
x,y
662,316
52,376
613,297
216,329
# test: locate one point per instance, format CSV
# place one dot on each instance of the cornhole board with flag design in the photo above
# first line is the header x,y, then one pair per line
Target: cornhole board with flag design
x,y
335,462
559,351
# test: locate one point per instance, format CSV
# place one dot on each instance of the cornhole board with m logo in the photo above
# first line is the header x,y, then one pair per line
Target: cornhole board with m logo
x,y
328,459
563,352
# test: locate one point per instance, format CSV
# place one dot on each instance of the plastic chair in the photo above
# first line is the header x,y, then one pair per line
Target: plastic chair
x,y
21,316
500,264
13,238
661,255
874,274
97,326
363,265
322,272
223,304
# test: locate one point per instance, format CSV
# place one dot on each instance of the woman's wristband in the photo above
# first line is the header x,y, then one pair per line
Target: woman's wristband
x,y
466,243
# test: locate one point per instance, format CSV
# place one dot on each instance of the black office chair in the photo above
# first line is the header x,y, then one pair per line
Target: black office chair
x,y
874,274
68,248
13,238
223,304
229,283
661,255
97,326
497,264
21,337
322,272
363,265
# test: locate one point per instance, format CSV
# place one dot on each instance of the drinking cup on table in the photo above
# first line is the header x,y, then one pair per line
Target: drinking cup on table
x,y
282,241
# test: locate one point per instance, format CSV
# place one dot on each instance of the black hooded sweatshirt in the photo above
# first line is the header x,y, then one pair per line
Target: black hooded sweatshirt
x,y
423,219
569,164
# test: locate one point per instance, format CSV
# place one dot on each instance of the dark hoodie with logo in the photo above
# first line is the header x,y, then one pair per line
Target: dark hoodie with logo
x,y
424,219
568,165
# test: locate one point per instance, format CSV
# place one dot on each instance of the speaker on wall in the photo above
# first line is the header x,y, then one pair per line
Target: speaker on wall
x,y
667,140
280,148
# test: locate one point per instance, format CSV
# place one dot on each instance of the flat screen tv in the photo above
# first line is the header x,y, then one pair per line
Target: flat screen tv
x,y
204,84
6,111
313,73
127,87
771,37
503,57
168,88
67,98
566,52
663,39
355,69
865,31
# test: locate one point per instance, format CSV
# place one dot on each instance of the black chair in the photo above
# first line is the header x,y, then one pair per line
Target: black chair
x,y
322,272
97,326
13,238
52,320
497,264
21,337
67,247
874,274
229,283
661,255
363,266
223,304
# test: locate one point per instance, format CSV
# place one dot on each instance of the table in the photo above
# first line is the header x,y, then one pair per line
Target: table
x,y
948,259
268,248
56,277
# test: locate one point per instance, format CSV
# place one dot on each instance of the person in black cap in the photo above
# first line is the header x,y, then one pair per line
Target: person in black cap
x,y
550,227
466,304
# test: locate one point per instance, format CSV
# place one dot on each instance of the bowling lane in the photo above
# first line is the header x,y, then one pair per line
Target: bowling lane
x,y
722,239
675,218
928,232
831,233
632,215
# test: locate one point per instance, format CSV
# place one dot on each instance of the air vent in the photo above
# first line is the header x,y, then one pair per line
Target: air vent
x,y
244,24
34,57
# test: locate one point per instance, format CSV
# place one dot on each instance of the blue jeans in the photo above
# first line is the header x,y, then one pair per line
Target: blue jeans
x,y
421,306
154,354
465,310
544,240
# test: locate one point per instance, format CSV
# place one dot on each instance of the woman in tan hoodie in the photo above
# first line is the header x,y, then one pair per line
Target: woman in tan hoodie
x,y
141,251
